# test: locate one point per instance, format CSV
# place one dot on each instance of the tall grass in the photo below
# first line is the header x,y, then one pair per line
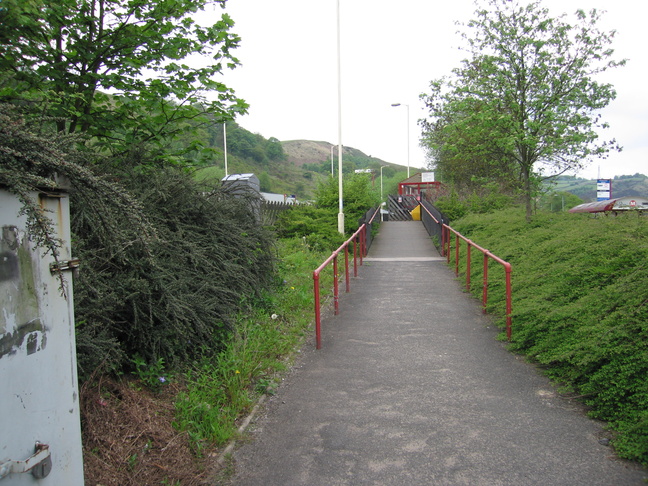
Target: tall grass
x,y
221,389
580,307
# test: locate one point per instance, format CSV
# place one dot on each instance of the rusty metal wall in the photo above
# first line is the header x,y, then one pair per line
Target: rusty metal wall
x,y
39,401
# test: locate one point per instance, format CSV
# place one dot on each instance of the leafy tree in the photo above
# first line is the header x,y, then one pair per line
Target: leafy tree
x,y
118,70
265,182
559,201
358,198
274,149
525,97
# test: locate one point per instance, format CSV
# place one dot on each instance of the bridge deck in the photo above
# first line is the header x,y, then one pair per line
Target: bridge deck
x,y
412,387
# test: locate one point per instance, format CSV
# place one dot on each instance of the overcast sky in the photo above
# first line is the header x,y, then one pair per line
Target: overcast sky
x,y
390,53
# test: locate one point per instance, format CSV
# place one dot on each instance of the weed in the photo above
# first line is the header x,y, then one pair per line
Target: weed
x,y
152,375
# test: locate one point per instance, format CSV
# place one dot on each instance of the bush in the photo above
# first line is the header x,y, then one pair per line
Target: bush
x,y
317,225
180,293
457,205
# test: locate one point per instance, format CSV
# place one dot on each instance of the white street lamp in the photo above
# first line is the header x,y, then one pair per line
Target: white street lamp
x,y
339,81
225,145
408,144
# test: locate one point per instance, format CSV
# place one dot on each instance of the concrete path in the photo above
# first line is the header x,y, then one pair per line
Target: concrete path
x,y
412,388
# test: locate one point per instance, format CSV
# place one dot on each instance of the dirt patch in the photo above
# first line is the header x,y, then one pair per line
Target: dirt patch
x,y
129,440
300,152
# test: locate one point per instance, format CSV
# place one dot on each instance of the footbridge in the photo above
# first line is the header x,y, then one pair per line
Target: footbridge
x,y
412,387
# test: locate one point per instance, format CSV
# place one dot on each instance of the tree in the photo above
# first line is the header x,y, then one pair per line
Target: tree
x,y
525,99
122,71
358,198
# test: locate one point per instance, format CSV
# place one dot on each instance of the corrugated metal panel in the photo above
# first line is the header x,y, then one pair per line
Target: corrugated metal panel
x,y
618,204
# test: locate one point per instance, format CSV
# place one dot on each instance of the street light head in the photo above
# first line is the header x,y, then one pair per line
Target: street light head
x,y
396,104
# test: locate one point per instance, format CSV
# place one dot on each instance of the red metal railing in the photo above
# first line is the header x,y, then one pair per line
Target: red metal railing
x,y
359,240
446,247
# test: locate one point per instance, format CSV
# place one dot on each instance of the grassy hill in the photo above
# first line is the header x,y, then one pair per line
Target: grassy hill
x,y
622,186
290,167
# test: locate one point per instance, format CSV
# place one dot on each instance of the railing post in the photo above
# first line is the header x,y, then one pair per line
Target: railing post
x,y
355,256
485,289
468,267
346,268
318,321
508,302
336,291
457,256
445,236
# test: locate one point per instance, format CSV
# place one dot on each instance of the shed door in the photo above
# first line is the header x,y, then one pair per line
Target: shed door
x,y
39,399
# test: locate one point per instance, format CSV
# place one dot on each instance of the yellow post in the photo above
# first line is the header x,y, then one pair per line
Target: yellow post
x,y
416,213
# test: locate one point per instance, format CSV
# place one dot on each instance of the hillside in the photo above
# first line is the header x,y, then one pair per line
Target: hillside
x,y
622,186
290,167
301,152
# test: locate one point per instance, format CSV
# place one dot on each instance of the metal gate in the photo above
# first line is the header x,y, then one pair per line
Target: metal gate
x,y
40,433
400,207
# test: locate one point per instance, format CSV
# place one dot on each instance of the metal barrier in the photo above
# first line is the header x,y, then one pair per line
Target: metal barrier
x,y
446,246
433,220
359,238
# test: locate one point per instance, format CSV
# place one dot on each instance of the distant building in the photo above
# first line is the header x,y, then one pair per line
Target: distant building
x,y
279,198
420,184
245,182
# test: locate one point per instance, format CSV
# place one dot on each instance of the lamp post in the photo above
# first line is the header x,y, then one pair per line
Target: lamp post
x,y
339,82
382,203
225,145
408,144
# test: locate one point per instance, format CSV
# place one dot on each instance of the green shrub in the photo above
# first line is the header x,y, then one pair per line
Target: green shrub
x,y
455,205
209,261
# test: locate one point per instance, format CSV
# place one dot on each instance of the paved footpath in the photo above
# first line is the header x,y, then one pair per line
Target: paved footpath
x,y
412,388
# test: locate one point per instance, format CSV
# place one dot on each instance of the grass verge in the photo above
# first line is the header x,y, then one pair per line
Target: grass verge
x,y
580,307
222,389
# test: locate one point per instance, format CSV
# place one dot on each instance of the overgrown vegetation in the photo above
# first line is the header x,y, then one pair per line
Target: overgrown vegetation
x,y
178,297
205,402
317,224
458,204
34,158
219,391
580,307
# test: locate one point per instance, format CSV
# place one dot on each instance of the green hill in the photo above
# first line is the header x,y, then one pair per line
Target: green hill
x,y
288,167
622,186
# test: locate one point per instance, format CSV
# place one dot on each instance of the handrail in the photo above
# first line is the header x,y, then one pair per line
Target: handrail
x,y
358,238
446,230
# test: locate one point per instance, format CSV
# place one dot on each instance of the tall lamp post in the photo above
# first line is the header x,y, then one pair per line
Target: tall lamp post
x,y
339,81
225,145
408,137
